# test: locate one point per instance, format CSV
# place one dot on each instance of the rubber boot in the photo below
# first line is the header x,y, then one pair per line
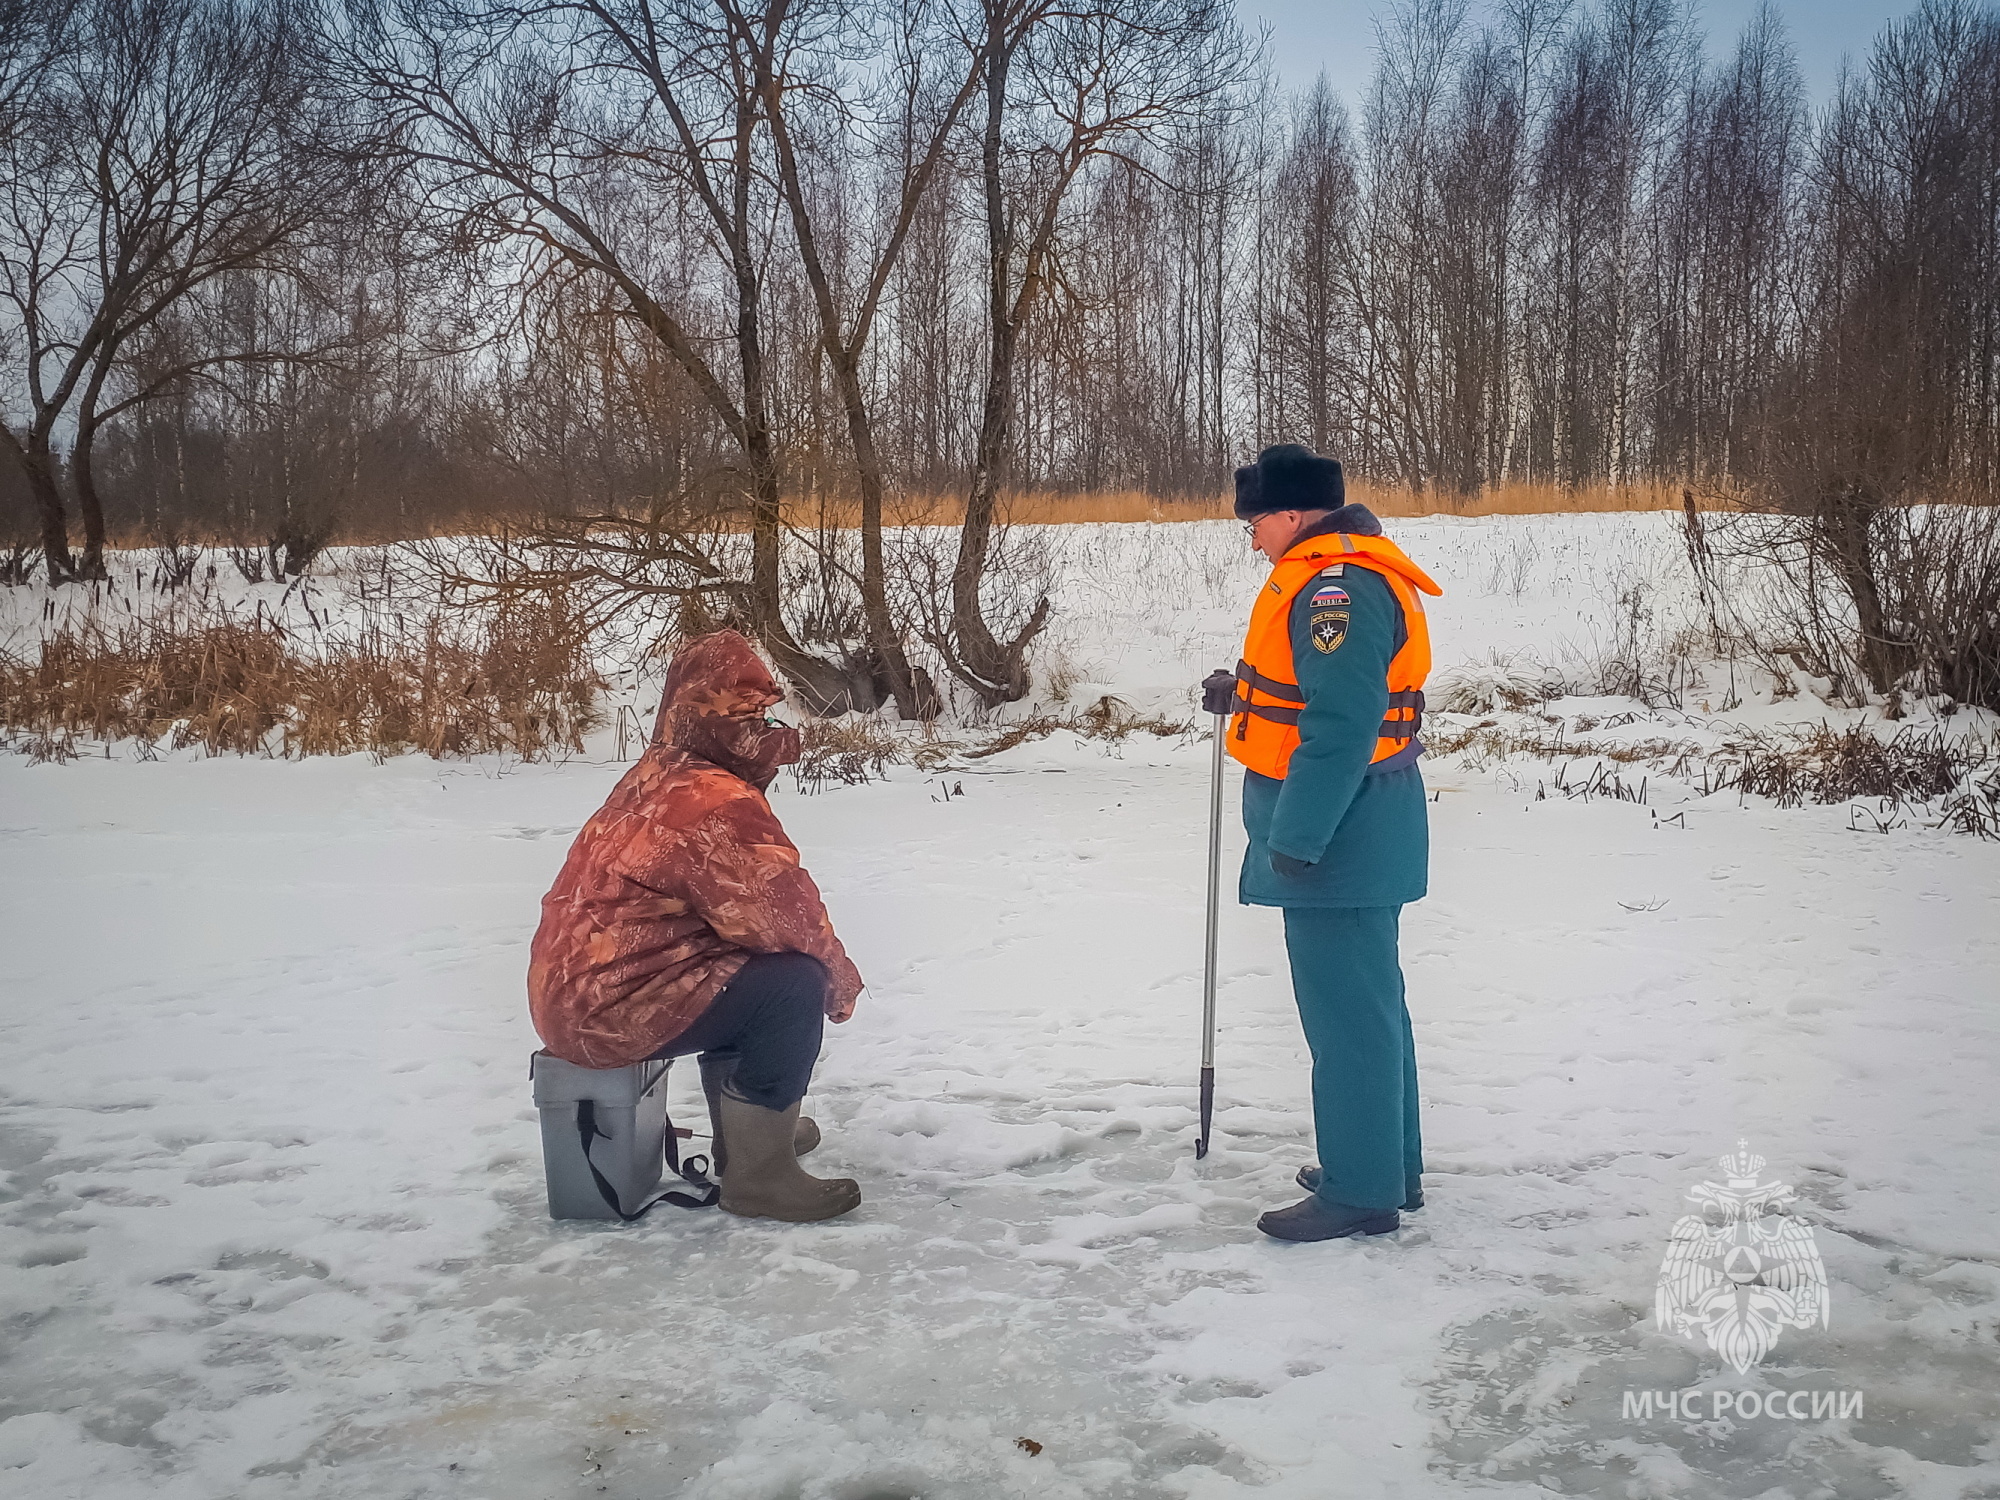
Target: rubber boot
x,y
765,1180
717,1068
1413,1188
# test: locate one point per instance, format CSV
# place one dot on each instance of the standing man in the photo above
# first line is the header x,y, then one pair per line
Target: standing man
x,y
1329,699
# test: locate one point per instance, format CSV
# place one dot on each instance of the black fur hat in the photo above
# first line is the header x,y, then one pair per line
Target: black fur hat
x,y
1289,477
1246,492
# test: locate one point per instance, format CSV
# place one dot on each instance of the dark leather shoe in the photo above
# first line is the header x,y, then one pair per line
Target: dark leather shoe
x,y
1315,1219
1413,1188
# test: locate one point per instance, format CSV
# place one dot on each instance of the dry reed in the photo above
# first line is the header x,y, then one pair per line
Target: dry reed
x,y
1057,508
517,681
1047,507
1821,764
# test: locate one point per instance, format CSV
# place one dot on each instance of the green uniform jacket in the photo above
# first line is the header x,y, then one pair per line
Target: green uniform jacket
x,y
1367,837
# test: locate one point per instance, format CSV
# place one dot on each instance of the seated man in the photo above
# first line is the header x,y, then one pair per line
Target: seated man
x,y
682,923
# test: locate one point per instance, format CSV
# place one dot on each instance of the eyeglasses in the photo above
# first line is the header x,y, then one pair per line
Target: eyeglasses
x,y
1251,529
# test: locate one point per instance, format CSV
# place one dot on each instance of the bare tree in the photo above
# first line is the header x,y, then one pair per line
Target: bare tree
x,y
1724,249
31,39
158,152
1887,405
1312,323
1063,88
620,139
793,50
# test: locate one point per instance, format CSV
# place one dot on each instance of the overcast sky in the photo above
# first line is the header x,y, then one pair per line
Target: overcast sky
x,y
1339,35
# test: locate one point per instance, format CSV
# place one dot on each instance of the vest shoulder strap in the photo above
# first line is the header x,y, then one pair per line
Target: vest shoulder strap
x,y
1366,564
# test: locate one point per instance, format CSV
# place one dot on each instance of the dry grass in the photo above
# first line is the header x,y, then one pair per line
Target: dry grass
x,y
516,682
853,751
1052,507
1109,719
1490,742
1044,507
1520,500
845,752
1949,781
1825,765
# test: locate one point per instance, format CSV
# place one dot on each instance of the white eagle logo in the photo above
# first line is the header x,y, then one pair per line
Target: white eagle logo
x,y
1741,1271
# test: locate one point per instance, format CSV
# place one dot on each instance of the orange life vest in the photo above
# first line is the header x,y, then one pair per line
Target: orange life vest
x,y
1264,730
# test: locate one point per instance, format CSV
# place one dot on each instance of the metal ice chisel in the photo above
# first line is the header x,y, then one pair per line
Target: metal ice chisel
x,y
1218,692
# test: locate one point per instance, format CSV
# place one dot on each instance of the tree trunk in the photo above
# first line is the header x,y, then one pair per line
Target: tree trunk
x,y
914,694
997,672
826,687
37,465
83,476
1848,531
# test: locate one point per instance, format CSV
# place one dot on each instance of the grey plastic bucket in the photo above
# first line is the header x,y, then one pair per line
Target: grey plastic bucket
x,y
629,1109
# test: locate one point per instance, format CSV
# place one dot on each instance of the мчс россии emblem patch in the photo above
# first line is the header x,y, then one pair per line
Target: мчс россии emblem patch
x,y
1329,629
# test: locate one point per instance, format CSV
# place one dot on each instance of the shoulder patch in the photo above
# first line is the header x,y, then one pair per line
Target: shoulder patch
x,y
1329,629
1333,572
1326,596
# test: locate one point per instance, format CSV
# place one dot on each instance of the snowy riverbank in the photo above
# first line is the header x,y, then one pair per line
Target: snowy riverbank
x,y
272,1222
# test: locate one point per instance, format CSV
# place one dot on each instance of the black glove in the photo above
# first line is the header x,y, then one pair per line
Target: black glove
x,y
1218,692
1288,867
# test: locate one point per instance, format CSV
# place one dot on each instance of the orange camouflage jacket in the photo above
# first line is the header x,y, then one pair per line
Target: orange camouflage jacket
x,y
681,875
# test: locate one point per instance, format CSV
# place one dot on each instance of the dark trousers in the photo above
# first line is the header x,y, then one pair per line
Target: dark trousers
x,y
770,1016
1349,986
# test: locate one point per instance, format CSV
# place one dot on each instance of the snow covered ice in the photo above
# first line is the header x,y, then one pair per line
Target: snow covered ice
x,y
272,1221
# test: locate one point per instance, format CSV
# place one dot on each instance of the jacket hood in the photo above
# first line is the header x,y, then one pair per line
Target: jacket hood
x,y
713,706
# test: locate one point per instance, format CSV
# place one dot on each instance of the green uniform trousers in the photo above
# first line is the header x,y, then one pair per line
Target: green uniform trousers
x,y
1349,988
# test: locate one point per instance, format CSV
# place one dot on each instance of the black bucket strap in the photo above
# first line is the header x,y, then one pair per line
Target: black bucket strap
x,y
694,1170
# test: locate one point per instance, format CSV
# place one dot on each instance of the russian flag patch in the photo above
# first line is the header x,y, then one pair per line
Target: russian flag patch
x,y
1327,595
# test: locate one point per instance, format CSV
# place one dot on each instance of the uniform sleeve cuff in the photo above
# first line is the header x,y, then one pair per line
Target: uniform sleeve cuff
x,y
1292,851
